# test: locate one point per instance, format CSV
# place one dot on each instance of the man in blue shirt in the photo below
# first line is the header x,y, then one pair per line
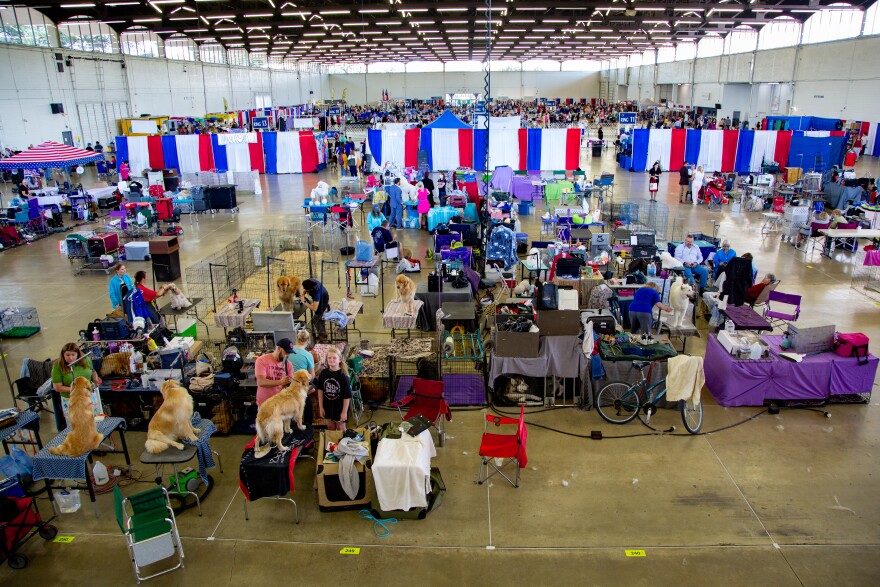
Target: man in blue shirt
x,y
382,237
692,258
316,298
722,257
395,202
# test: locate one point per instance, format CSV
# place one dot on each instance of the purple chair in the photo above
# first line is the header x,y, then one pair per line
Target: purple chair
x,y
791,308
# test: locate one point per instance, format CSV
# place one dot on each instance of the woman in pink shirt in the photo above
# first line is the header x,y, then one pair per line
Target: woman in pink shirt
x,y
124,171
424,205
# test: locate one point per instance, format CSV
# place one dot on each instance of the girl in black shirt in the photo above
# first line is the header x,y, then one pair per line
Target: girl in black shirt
x,y
334,391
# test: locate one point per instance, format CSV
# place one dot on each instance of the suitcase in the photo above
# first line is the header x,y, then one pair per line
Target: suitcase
x,y
103,243
221,197
164,208
107,202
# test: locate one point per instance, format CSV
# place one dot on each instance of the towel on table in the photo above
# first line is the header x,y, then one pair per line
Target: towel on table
x,y
338,317
685,378
348,451
203,449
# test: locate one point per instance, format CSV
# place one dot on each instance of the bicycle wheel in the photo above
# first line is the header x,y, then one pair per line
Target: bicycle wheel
x,y
692,415
618,402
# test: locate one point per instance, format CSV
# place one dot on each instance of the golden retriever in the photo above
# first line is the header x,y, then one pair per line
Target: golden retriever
x,y
172,421
83,436
288,287
406,292
275,414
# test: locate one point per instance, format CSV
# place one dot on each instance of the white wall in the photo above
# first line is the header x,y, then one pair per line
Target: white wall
x,y
99,89
840,79
362,88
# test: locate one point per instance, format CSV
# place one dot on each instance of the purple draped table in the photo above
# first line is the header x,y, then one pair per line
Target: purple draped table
x,y
523,189
734,382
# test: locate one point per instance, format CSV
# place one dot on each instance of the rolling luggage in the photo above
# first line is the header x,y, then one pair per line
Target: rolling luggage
x,y
221,197
103,243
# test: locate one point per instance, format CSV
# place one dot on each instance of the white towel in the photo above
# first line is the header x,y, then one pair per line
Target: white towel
x,y
685,379
402,471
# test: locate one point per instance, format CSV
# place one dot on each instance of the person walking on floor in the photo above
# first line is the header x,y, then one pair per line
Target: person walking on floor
x,y
684,180
395,201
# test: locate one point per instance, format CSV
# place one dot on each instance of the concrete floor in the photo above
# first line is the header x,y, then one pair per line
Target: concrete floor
x,y
785,500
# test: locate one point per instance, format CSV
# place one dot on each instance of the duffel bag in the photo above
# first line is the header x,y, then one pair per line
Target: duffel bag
x,y
852,344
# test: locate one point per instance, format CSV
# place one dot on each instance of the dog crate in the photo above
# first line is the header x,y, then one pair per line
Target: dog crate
x,y
19,322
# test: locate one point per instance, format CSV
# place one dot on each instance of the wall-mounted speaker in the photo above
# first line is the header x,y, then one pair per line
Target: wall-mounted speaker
x,y
57,107
59,67
59,57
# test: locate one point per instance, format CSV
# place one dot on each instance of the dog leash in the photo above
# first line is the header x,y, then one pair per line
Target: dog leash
x,y
380,527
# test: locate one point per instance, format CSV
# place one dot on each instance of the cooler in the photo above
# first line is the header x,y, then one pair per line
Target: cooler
x,y
137,251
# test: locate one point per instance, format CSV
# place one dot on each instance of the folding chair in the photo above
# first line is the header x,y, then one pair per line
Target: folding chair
x,y
426,400
778,317
510,448
147,521
846,243
761,300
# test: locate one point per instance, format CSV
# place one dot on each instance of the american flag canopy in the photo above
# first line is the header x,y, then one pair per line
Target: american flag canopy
x,y
50,154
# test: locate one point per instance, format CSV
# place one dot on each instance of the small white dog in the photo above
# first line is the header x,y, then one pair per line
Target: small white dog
x,y
679,296
667,261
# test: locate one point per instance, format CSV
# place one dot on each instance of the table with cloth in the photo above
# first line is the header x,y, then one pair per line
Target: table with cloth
x,y
95,193
402,471
272,475
745,318
49,466
558,356
432,301
523,189
55,200
463,254
441,215
553,190
396,315
228,315
822,377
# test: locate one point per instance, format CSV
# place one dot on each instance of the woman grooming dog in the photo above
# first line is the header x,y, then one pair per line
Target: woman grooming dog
x,y
334,391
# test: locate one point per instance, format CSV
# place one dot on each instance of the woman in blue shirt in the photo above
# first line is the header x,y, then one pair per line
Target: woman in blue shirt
x,y
722,257
299,357
114,289
375,218
642,307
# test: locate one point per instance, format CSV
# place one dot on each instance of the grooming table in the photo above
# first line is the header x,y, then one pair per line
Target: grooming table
x,y
395,317
228,317
744,318
193,311
48,466
272,476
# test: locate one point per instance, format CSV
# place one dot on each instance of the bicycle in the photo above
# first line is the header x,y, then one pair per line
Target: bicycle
x,y
620,402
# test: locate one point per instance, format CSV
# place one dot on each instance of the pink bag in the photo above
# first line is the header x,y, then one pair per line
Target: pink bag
x,y
853,344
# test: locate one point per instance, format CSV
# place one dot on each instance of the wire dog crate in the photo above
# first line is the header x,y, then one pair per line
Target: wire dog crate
x,y
865,278
643,217
251,264
19,322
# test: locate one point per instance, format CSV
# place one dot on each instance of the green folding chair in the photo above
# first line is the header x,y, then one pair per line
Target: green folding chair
x,y
147,522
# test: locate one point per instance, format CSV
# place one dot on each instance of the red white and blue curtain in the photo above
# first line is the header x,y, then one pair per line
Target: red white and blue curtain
x,y
450,148
740,151
264,152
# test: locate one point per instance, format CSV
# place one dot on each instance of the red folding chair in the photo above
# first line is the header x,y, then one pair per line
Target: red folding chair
x,y
510,448
427,400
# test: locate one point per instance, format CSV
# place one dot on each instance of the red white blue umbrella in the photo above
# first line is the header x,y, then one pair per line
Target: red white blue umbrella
x,y
50,154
